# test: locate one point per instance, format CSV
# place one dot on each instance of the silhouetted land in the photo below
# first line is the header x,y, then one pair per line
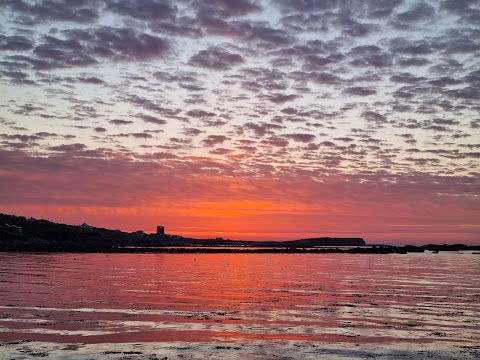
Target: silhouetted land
x,y
19,234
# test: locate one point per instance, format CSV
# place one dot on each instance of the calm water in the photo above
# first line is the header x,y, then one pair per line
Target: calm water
x,y
240,306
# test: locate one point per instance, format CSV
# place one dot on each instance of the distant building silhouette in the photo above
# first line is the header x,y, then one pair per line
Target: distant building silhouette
x,y
160,230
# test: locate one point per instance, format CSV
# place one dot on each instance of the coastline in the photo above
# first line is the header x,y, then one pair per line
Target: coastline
x,y
19,234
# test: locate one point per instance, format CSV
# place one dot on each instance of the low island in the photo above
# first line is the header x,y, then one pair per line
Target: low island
x,y
19,234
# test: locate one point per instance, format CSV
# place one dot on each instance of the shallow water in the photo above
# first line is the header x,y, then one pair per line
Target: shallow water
x,y
240,306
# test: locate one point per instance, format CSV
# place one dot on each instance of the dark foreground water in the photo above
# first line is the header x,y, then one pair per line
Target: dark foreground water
x,y
240,306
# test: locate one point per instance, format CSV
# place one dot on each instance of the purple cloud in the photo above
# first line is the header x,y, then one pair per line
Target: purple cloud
x,y
262,129
69,148
304,138
215,58
213,140
15,43
120,122
281,98
91,80
152,119
227,8
46,10
420,12
359,91
143,9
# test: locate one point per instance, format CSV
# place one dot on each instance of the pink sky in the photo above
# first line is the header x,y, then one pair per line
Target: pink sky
x,y
197,202
247,119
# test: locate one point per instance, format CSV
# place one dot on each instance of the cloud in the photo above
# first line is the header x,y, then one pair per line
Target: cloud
x,y
415,61
213,140
401,45
91,80
143,9
304,138
318,78
370,55
182,27
445,81
269,37
216,58
344,139
315,62
406,78
382,8
353,28
56,53
21,137
176,76
100,129
278,98
259,33
15,43
82,48
151,105
262,129
307,5
227,8
127,44
457,6
69,148
289,111
275,141
359,91
375,117
152,119
141,135
198,113
441,121
420,12
120,122
28,13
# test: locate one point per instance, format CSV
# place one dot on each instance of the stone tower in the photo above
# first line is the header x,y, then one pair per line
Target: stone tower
x,y
160,230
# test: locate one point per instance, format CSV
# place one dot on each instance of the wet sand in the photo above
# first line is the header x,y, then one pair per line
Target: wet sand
x,y
232,351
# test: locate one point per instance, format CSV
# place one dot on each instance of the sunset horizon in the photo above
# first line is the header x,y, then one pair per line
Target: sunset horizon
x,y
371,238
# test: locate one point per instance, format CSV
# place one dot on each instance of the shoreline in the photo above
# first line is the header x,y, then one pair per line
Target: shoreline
x,y
19,234
433,249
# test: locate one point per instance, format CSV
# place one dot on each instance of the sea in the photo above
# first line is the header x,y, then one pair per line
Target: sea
x,y
240,306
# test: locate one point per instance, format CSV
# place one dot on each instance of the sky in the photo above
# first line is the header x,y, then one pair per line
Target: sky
x,y
244,119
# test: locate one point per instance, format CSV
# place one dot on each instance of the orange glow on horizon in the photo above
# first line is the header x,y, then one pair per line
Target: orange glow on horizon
x,y
269,221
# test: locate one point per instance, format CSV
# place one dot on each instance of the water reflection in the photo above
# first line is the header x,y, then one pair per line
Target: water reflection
x,y
387,300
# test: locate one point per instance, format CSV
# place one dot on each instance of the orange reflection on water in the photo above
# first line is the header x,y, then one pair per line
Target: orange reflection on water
x,y
240,298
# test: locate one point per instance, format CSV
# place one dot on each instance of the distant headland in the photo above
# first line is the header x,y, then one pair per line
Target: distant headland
x,y
21,234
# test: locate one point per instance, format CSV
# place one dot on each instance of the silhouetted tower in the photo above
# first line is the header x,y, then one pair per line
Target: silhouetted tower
x,y
160,230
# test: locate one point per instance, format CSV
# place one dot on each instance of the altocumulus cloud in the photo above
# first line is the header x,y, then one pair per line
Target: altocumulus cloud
x,y
381,96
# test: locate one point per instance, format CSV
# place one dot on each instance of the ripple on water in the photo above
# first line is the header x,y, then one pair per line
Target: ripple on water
x,y
267,305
